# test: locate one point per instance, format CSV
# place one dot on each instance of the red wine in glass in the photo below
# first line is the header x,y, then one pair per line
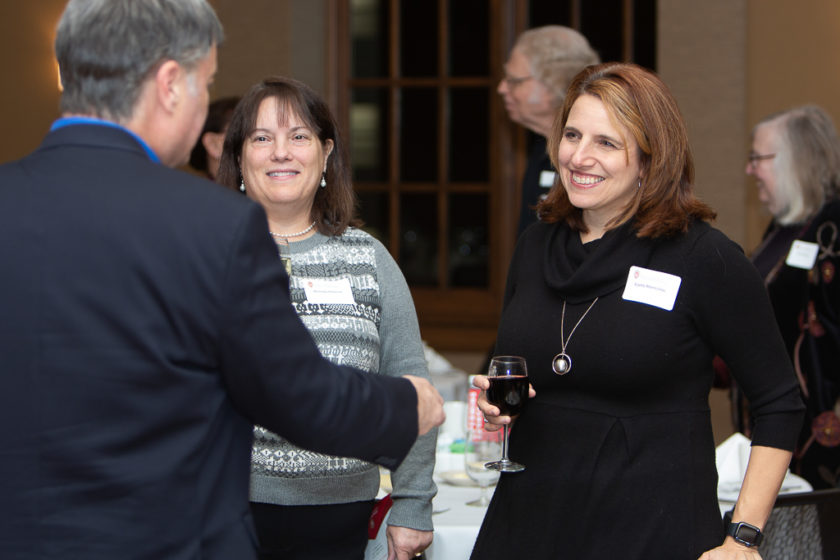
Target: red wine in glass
x,y
508,376
508,393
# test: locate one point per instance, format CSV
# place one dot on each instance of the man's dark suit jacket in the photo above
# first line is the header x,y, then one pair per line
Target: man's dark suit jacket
x,y
145,325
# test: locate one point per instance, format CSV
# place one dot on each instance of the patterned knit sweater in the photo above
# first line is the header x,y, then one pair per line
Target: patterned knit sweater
x,y
352,297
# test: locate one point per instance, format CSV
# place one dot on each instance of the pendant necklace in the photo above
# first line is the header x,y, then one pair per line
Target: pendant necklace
x,y
288,236
562,362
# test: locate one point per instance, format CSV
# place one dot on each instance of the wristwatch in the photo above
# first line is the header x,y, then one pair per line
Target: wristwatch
x,y
744,533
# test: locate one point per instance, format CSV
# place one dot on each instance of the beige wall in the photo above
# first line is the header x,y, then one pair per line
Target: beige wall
x,y
29,92
793,50
263,37
732,62
702,58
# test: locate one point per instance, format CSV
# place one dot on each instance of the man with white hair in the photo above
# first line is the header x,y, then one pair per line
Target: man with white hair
x,y
538,71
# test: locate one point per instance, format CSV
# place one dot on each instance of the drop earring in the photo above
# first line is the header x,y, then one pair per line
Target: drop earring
x,y
242,186
323,179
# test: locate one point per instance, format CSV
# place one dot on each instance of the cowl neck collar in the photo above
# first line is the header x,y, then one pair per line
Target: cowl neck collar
x,y
581,272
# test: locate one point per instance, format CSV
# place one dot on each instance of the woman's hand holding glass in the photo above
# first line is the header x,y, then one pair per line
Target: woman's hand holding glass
x,y
493,419
507,377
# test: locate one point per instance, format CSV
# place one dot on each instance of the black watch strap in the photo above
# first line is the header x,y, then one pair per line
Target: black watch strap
x,y
744,533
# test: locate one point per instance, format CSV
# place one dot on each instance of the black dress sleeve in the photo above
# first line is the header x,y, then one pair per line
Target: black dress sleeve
x,y
734,315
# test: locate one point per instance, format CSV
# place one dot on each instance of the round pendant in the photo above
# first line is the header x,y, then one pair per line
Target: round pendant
x,y
561,364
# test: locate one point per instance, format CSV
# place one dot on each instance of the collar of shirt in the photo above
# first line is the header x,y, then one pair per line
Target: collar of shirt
x,y
69,121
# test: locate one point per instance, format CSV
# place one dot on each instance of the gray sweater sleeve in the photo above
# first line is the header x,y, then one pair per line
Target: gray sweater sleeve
x,y
402,354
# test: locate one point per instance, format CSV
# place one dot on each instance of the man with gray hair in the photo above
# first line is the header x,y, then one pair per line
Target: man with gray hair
x,y
146,323
538,72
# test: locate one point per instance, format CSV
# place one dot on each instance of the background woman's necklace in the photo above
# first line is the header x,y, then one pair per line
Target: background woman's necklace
x,y
562,362
288,236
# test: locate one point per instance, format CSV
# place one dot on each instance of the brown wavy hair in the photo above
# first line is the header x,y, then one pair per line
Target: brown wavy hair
x,y
334,207
664,205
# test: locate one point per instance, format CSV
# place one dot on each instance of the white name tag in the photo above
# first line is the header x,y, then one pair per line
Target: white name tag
x,y
803,254
652,287
547,178
335,292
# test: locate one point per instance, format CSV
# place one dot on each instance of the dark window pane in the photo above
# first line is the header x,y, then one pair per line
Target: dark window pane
x,y
601,22
468,245
419,239
644,40
369,134
419,33
550,12
373,209
469,134
469,38
419,134
369,38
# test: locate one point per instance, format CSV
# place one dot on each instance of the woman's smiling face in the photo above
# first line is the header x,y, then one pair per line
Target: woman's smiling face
x,y
599,163
282,162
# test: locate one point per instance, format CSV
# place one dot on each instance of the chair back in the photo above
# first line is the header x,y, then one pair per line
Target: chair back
x,y
805,525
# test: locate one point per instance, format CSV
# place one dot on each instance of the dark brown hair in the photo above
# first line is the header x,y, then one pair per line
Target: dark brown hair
x,y
638,100
334,207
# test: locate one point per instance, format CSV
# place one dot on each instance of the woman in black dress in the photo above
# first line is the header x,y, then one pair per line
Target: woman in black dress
x,y
619,299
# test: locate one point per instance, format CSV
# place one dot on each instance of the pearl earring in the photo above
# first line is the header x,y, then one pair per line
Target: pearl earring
x,y
242,186
323,179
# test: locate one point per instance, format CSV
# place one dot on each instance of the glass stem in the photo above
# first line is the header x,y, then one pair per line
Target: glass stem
x,y
506,428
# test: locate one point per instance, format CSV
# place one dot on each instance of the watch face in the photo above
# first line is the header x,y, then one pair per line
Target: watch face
x,y
745,533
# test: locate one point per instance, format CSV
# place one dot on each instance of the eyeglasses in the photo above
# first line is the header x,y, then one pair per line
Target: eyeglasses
x,y
512,81
754,158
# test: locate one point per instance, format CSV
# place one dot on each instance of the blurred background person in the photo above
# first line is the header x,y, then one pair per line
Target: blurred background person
x,y
795,160
618,298
283,149
538,71
207,152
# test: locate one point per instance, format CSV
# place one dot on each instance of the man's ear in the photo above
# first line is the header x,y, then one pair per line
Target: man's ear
x,y
213,143
168,84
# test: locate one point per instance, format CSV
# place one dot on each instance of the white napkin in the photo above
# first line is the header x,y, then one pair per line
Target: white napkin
x,y
731,458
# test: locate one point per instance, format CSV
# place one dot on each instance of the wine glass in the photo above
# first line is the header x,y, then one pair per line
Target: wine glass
x,y
508,376
480,447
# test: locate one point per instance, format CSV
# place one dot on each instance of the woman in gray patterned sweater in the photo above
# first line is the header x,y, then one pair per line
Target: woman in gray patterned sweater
x,y
283,150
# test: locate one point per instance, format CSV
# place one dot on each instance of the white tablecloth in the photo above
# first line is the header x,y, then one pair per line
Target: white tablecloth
x,y
457,524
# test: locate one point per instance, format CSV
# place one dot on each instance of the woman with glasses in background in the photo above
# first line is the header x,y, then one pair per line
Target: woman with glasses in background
x,y
795,160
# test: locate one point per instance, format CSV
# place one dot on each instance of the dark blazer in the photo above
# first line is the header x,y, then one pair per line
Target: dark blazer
x,y
145,325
